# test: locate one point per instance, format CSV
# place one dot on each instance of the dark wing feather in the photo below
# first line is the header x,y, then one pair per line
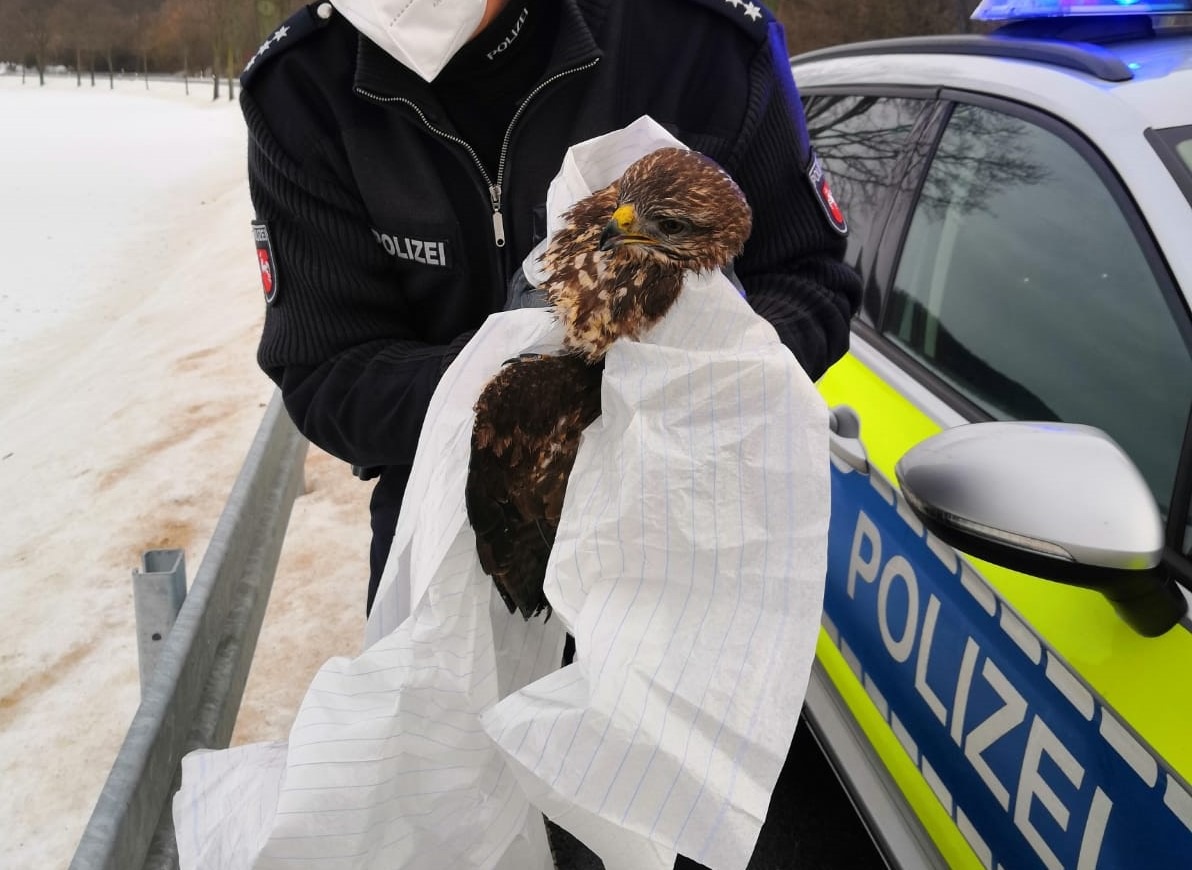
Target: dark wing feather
x,y
528,424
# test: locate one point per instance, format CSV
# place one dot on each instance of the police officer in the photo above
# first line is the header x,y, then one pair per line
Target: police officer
x,y
399,158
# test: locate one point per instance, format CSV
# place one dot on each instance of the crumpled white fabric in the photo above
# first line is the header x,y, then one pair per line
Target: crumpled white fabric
x,y
689,566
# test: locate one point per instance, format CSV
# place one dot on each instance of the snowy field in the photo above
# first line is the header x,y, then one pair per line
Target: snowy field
x,y
129,313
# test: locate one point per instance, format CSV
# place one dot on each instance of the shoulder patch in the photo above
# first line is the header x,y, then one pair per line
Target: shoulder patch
x,y
749,14
266,261
818,178
302,23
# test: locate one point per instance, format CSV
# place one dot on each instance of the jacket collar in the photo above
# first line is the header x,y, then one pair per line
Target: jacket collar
x,y
379,73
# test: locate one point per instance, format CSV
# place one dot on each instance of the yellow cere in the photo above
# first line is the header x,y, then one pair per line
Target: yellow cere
x,y
625,216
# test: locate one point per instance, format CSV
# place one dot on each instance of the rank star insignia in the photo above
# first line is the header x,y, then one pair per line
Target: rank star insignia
x,y
753,11
297,27
278,36
737,3
260,51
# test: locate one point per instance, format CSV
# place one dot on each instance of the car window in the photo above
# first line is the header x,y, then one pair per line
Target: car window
x,y
1022,285
1174,146
1180,139
862,141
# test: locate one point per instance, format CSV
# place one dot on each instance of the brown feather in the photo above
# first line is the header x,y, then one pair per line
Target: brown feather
x,y
528,422
687,215
603,295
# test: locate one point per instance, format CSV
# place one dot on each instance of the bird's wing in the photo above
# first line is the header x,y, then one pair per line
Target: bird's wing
x,y
529,418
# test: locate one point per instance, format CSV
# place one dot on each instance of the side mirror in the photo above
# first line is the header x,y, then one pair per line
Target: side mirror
x,y
1056,500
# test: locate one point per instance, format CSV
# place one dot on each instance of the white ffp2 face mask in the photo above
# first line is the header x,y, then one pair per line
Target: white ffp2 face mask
x,y
421,34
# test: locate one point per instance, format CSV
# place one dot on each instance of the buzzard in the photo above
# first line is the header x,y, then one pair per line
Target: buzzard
x,y
615,268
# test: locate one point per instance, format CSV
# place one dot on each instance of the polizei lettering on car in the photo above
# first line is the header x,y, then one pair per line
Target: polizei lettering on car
x,y
1032,766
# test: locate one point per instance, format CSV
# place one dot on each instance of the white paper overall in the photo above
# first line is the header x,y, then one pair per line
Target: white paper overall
x,y
689,565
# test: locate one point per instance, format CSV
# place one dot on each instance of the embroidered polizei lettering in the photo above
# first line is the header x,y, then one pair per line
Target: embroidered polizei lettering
x,y
428,252
504,44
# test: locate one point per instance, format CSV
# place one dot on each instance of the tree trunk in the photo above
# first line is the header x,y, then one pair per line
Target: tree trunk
x,y
963,21
186,70
78,67
111,72
215,71
41,72
231,70
145,68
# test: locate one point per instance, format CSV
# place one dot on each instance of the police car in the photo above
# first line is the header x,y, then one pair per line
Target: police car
x,y
1004,674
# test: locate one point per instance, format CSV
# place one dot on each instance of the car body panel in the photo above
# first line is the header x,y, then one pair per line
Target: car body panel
x,y
1124,668
931,815
1047,642
1023,721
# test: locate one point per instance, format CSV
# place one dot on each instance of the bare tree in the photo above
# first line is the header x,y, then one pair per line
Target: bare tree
x,y
238,25
174,34
10,46
205,21
71,25
177,35
813,24
31,23
102,31
866,142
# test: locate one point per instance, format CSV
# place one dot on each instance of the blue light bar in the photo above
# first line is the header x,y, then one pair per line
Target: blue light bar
x,y
1013,10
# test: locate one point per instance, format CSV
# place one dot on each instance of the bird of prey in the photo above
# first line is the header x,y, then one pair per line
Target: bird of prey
x,y
615,268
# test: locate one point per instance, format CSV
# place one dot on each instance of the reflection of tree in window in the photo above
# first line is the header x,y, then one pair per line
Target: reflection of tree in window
x,y
983,153
1022,285
862,142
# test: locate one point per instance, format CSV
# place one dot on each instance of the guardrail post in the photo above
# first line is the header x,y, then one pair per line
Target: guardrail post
x,y
158,588
194,691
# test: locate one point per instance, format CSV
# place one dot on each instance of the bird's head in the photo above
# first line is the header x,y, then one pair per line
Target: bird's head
x,y
678,206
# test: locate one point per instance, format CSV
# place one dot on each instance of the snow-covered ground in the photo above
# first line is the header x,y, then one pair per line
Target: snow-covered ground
x,y
129,312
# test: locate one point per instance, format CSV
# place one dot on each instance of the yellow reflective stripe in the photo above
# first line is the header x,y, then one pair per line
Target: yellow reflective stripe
x,y
935,819
890,425
1146,681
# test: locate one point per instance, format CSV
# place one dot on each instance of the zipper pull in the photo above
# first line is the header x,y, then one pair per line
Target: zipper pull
x,y
494,192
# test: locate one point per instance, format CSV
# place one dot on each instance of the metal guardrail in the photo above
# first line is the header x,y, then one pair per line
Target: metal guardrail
x,y
193,695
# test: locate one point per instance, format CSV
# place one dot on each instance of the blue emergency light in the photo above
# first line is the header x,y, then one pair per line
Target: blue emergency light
x,y
1015,10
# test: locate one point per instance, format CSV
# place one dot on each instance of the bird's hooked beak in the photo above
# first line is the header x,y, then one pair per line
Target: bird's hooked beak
x,y
623,230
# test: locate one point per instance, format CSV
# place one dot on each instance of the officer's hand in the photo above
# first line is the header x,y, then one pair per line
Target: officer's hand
x,y
523,294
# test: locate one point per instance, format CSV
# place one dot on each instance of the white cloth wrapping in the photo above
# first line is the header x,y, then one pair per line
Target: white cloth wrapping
x,y
689,565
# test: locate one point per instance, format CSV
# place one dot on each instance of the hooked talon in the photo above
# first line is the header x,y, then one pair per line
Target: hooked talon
x,y
523,356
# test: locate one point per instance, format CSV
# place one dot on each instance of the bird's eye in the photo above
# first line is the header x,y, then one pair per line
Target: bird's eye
x,y
672,226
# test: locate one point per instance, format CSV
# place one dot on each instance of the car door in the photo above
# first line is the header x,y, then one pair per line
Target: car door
x,y
1008,275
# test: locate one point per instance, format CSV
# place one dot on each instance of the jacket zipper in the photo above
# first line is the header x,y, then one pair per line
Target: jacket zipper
x,y
498,223
494,189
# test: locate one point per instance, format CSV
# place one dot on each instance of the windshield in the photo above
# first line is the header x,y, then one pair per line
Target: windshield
x,y
1175,147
